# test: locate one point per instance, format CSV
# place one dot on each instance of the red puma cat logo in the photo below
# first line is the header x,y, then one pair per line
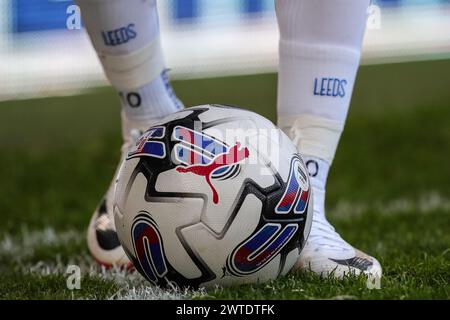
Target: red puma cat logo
x,y
232,156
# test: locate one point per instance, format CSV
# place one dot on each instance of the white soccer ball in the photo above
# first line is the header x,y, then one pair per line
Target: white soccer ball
x,y
213,195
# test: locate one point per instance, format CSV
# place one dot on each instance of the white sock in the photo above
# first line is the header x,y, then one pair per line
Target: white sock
x,y
153,100
320,47
318,173
125,35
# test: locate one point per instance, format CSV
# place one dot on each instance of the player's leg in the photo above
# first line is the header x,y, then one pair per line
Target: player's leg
x,y
126,37
320,46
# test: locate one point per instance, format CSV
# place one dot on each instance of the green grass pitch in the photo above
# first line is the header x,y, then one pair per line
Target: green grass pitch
x,y
388,190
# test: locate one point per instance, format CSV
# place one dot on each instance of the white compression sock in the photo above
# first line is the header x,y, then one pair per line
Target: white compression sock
x,y
319,49
125,35
318,173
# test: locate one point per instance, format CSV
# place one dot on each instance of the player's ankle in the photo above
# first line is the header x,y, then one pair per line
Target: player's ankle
x,y
318,172
150,102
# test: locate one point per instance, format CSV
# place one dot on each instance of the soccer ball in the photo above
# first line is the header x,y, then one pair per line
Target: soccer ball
x,y
213,195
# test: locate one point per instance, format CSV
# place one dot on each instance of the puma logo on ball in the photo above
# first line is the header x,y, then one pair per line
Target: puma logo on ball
x,y
232,156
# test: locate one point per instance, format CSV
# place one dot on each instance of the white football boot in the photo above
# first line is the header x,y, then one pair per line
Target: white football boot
x,y
325,252
102,239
